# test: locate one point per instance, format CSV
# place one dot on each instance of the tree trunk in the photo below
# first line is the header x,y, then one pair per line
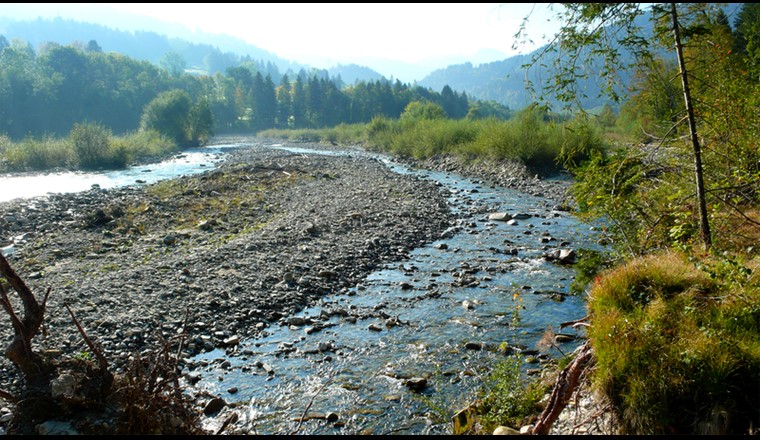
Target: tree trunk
x,y
704,224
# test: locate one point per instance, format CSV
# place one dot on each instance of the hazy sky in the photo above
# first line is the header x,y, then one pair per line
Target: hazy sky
x,y
324,34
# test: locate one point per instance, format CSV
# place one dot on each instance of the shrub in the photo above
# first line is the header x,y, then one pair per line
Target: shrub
x,y
509,397
146,144
677,350
92,146
168,113
39,154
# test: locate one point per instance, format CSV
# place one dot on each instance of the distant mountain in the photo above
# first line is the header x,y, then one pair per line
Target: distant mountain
x,y
499,81
505,81
206,53
353,73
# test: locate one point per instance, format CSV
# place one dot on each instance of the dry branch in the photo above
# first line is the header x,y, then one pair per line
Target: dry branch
x,y
566,383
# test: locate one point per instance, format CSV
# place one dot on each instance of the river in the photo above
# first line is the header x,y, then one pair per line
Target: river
x,y
433,325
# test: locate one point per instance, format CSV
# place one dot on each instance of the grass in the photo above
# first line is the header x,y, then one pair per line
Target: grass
x,y
529,138
678,346
508,397
88,147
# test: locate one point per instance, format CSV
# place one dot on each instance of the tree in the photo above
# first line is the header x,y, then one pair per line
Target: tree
x,y
748,35
200,122
93,46
417,110
284,103
168,114
173,63
606,30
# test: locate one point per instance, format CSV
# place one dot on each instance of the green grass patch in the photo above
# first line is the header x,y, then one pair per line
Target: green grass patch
x,y
508,396
677,349
37,154
89,147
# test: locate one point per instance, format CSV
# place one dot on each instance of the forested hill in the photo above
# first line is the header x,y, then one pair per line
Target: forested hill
x,y
499,81
504,81
215,54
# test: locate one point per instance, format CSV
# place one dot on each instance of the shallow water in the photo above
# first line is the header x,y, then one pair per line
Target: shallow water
x,y
453,302
442,314
191,161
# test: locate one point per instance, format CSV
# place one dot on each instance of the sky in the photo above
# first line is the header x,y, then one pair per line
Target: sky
x,y
377,35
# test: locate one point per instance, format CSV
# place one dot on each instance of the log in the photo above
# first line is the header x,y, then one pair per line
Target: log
x,y
564,387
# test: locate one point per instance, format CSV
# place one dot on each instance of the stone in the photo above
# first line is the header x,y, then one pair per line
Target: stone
x,y
500,217
52,427
505,430
214,406
63,386
416,384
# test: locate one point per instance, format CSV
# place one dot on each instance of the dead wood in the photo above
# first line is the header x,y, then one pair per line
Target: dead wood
x,y
148,399
567,382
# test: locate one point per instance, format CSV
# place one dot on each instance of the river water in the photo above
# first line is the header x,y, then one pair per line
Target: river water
x,y
191,161
446,315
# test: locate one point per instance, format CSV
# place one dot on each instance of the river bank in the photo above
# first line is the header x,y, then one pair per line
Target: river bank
x,y
234,250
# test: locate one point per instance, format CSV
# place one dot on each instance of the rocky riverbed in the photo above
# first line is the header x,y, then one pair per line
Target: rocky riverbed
x,y
223,255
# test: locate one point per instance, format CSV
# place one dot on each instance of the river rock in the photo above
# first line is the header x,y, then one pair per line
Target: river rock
x,y
500,217
214,406
505,430
416,384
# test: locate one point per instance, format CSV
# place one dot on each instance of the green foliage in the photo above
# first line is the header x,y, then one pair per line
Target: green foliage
x,y
84,356
39,154
429,138
678,350
416,111
146,144
88,146
341,134
173,63
488,109
508,397
588,265
5,144
200,122
94,149
168,114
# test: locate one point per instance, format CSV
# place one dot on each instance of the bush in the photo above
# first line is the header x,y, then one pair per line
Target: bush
x,y
509,397
92,146
678,350
146,144
39,154
168,113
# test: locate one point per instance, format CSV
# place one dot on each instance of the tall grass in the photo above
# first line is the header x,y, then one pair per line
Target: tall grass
x,y
530,138
678,347
37,154
88,146
341,134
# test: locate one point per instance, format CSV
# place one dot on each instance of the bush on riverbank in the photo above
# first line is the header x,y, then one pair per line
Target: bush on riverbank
x,y
36,154
678,346
508,398
88,147
532,138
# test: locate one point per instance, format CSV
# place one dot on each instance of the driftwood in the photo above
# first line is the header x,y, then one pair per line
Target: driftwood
x,y
34,402
148,399
566,384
